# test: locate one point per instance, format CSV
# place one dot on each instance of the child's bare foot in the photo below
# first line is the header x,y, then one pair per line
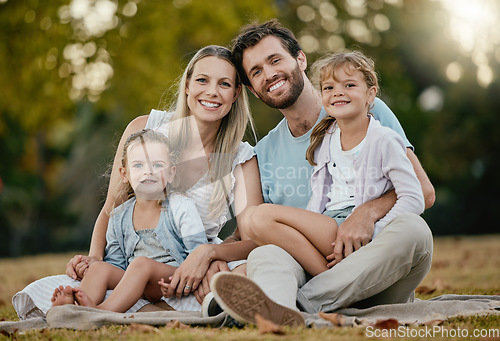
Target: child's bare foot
x,y
84,300
63,295
56,293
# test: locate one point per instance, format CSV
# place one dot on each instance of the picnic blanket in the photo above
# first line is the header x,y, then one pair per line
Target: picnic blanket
x,y
420,312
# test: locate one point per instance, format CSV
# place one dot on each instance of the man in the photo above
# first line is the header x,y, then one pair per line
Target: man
x,y
384,270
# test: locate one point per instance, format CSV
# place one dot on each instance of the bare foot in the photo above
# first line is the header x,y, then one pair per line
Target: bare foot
x,y
63,295
56,293
83,300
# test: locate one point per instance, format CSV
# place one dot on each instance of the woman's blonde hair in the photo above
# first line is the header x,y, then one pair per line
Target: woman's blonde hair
x,y
324,68
231,131
143,136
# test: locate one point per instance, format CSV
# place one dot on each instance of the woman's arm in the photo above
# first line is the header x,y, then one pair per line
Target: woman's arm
x,y
98,241
247,194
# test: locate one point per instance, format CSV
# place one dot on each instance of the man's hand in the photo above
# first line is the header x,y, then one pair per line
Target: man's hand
x,y
355,232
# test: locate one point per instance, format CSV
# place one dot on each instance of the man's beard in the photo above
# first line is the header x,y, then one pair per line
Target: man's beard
x,y
296,81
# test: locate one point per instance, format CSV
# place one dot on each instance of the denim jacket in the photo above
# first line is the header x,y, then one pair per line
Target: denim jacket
x,y
180,230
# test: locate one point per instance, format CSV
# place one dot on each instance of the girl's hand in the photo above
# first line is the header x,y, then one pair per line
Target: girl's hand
x,y
333,258
191,272
163,286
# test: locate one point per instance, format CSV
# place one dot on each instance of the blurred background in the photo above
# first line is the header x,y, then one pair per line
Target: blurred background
x,y
75,72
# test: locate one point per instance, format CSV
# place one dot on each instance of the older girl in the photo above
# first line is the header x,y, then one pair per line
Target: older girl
x,y
356,160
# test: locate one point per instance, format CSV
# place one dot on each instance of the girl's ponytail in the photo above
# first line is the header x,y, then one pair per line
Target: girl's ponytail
x,y
317,136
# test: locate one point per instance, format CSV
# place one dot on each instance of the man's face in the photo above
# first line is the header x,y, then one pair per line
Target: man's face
x,y
276,77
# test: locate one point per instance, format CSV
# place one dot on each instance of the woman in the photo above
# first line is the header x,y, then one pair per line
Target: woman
x,y
209,121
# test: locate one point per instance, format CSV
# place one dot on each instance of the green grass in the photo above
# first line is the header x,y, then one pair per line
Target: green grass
x,y
461,265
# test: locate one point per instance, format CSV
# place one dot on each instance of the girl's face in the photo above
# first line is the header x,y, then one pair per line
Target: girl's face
x,y
345,94
148,169
212,89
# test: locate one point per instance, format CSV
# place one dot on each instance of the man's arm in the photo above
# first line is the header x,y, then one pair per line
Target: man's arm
x,y
357,229
427,188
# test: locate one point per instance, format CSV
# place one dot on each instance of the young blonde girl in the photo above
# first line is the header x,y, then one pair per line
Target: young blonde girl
x,y
148,236
356,160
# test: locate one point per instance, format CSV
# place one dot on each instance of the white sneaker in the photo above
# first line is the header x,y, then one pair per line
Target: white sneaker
x,y
210,307
242,299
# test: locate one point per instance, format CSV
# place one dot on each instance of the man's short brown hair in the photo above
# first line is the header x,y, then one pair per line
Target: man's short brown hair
x,y
253,33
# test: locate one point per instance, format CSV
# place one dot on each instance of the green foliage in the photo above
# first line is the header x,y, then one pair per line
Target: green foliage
x,y
458,140
70,89
59,123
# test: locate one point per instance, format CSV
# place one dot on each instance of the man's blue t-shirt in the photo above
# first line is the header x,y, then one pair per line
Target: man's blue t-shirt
x,y
285,174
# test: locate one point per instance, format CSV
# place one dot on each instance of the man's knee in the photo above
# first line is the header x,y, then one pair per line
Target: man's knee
x,y
411,232
268,255
265,253
415,226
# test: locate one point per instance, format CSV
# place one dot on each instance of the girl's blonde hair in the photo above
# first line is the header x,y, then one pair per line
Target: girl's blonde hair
x,y
324,68
231,131
144,136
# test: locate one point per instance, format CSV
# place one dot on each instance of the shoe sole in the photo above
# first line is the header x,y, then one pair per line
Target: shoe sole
x,y
242,299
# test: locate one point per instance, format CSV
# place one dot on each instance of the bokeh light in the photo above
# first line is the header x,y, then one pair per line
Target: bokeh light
x,y
473,25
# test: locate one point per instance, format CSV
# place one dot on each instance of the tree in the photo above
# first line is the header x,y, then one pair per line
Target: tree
x,y
78,72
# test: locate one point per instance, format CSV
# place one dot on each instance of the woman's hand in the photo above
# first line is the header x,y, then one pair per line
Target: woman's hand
x,y
78,266
190,273
204,287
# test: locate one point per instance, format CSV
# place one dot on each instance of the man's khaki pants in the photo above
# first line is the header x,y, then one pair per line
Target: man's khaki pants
x,y
386,270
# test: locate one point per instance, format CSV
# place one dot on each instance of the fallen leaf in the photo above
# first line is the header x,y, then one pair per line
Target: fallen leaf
x,y
424,290
268,327
437,285
440,284
175,324
440,264
6,333
387,324
434,323
335,319
141,328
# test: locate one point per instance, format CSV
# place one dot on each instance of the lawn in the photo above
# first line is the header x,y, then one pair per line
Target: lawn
x,y
461,265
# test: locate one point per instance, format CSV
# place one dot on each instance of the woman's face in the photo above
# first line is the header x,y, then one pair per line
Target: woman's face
x,y
212,89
